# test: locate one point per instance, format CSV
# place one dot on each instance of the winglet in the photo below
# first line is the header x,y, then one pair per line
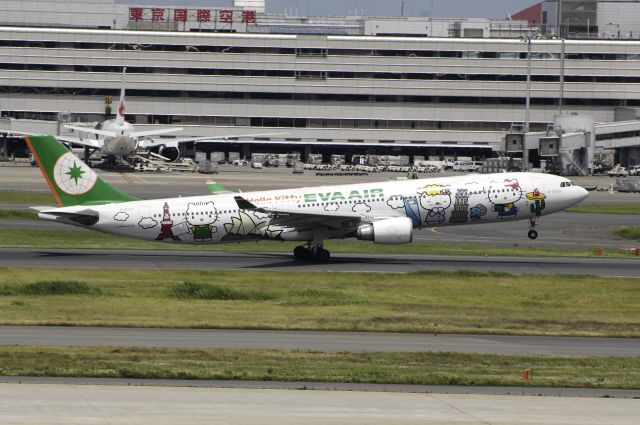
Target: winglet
x,y
216,188
243,204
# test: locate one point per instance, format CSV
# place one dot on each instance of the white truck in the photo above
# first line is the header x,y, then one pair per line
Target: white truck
x,y
635,170
618,171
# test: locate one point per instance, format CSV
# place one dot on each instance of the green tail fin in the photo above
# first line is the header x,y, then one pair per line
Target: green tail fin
x,y
71,180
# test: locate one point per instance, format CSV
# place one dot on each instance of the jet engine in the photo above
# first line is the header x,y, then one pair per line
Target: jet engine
x,y
170,152
388,231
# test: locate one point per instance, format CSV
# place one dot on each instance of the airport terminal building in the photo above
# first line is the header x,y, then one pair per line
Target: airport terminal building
x,y
308,92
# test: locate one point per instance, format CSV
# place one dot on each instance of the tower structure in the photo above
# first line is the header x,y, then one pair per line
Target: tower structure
x,y
460,207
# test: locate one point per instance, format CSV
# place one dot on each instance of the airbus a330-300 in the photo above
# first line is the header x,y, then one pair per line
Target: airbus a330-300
x,y
383,212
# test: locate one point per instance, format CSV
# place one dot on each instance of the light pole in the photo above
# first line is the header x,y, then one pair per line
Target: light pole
x,y
525,151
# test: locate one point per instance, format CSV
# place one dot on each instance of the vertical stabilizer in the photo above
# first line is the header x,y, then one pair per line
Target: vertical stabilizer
x,y
71,181
120,111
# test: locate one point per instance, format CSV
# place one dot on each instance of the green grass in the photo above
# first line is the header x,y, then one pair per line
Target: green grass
x,y
16,214
462,302
44,288
632,233
27,198
633,209
295,365
78,239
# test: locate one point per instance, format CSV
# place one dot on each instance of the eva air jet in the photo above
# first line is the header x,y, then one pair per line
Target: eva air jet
x,y
383,212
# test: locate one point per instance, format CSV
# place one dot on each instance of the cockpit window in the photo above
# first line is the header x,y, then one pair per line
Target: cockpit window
x,y
566,184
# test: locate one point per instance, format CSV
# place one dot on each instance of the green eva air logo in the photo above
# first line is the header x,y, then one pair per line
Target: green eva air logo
x,y
73,176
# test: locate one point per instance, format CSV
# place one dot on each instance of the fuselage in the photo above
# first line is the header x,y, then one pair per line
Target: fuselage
x,y
433,202
122,144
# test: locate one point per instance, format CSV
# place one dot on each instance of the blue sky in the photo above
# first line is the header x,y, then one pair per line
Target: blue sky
x,y
495,9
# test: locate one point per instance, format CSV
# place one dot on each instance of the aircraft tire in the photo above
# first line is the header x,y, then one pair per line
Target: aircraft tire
x,y
301,253
323,255
532,234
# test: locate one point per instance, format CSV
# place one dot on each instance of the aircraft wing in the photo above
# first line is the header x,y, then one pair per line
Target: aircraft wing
x,y
92,143
174,143
97,144
302,220
137,134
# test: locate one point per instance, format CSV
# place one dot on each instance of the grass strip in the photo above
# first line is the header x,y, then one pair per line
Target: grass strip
x,y
295,365
16,214
632,233
27,198
632,209
82,239
444,302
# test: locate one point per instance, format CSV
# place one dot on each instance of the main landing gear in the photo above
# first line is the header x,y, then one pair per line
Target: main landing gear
x,y
312,252
533,222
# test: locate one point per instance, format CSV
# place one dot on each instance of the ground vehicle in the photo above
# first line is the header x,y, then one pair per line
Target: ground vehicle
x,y
635,170
618,171
242,162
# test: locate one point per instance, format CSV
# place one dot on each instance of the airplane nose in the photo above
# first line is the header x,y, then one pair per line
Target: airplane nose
x,y
580,193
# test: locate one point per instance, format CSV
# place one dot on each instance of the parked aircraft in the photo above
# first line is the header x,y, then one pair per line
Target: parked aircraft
x,y
382,212
117,137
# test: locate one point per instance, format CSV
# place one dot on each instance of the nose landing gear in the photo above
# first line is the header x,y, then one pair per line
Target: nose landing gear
x,y
312,252
533,222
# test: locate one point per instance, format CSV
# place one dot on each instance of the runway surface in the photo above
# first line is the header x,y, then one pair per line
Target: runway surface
x,y
390,263
91,404
318,340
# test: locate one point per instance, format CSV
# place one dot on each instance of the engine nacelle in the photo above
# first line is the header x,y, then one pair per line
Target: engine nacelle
x,y
170,152
389,231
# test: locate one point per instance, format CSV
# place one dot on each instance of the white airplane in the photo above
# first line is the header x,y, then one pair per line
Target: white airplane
x,y
382,212
117,137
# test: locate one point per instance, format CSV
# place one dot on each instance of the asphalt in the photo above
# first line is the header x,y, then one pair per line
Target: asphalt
x,y
45,404
319,340
387,263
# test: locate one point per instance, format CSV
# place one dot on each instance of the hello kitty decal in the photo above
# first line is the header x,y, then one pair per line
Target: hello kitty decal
x,y
503,197
435,199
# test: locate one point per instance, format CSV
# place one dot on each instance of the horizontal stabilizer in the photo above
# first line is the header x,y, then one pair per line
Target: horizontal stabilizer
x,y
92,131
85,217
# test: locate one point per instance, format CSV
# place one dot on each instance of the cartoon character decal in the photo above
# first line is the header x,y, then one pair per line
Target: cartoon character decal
x,y
412,210
201,216
435,199
460,207
538,202
250,226
166,224
476,213
503,197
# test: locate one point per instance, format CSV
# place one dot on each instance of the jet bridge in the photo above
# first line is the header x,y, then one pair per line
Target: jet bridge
x,y
569,144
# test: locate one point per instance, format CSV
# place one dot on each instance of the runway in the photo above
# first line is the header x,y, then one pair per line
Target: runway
x,y
319,341
387,263
93,404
